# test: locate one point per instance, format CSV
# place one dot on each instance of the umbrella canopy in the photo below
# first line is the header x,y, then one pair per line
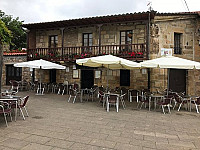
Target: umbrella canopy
x,y
171,62
108,61
40,64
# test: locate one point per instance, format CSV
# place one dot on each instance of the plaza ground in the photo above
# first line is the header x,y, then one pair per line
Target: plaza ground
x,y
55,124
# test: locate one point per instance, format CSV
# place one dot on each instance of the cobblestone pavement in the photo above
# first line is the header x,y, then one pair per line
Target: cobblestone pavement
x,y
55,124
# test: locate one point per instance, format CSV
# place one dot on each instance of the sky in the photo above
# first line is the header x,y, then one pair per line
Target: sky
x,y
35,11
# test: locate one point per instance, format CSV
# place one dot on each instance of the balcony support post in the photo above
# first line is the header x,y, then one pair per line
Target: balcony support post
x,y
100,25
62,35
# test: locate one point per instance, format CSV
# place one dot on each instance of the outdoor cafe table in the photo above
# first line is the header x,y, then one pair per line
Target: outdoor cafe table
x,y
154,98
84,91
106,95
190,98
7,93
11,99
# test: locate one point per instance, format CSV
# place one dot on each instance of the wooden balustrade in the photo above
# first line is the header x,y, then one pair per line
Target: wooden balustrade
x,y
129,51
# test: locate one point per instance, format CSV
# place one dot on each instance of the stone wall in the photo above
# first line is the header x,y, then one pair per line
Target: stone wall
x,y
8,60
162,36
110,35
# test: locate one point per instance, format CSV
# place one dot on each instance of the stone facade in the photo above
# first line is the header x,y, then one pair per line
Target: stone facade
x,y
110,35
162,36
12,59
163,27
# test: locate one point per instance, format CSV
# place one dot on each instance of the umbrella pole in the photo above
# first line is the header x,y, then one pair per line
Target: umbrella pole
x,y
168,72
40,91
107,80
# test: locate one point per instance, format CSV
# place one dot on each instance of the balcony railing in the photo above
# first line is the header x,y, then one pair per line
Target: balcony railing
x,y
129,51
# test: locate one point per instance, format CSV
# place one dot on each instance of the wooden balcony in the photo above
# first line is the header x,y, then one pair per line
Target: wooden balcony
x,y
130,51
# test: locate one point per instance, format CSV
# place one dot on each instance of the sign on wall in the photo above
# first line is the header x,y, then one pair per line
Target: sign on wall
x,y
166,52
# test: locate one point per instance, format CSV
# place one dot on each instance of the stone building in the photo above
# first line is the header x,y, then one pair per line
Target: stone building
x,y
134,36
9,72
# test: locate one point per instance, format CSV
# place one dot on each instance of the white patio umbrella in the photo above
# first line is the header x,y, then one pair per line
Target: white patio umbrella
x,y
40,64
170,62
108,61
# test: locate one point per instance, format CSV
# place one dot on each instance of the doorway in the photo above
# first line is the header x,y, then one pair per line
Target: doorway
x,y
87,78
177,80
124,77
52,76
13,73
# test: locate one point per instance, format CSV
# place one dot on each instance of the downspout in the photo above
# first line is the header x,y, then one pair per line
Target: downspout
x,y
148,47
27,43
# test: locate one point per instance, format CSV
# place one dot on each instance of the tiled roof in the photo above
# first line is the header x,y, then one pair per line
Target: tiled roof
x,y
129,17
179,13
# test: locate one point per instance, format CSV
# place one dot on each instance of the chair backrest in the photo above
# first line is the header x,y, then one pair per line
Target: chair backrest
x,y
112,98
76,86
177,97
134,92
25,99
123,90
198,101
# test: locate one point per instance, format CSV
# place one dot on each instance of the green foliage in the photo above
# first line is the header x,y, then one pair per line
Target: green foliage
x,y
5,34
18,39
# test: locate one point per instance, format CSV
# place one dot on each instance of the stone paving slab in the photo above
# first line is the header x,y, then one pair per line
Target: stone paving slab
x,y
55,124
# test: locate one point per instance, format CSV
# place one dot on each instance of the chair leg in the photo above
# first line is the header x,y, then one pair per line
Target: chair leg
x,y
163,109
5,119
174,104
141,105
138,104
179,107
197,108
74,99
131,99
26,111
169,108
22,113
117,107
108,107
69,98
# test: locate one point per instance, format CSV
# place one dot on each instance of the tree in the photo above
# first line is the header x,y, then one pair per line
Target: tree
x,y
5,38
18,39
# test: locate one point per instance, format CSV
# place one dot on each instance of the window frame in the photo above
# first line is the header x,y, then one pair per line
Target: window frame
x,y
88,39
177,43
127,32
55,41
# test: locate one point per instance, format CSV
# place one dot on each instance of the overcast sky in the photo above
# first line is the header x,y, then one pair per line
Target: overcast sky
x,y
31,11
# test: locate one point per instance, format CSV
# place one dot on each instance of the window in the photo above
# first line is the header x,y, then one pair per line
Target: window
x,y
13,73
87,39
126,37
53,41
124,77
177,43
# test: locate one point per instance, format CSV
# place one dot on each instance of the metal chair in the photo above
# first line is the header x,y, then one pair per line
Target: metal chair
x,y
5,109
196,103
166,103
73,93
21,105
112,100
133,94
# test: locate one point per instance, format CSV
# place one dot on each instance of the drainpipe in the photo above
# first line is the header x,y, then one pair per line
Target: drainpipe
x,y
148,47
27,42
62,34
